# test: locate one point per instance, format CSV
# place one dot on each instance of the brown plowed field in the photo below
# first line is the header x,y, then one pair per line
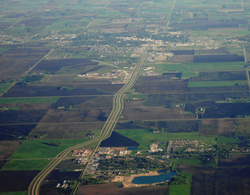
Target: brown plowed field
x,y
65,131
83,115
155,113
113,189
211,181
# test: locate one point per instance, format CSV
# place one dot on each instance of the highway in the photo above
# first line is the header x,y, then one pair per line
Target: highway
x,y
105,132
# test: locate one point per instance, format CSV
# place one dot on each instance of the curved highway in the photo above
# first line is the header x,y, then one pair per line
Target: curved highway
x,y
105,132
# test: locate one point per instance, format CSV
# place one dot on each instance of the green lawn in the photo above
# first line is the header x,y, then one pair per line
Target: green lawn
x,y
228,140
216,83
202,67
139,96
21,165
180,189
39,148
28,100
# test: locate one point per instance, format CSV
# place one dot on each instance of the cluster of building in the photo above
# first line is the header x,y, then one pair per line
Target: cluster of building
x,y
154,148
82,156
190,146
185,143
105,153
55,36
94,163
119,76
59,39
179,105
149,72
158,56
110,50
110,152
12,40
207,42
136,39
65,184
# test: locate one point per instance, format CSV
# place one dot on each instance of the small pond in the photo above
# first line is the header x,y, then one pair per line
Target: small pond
x,y
153,179
132,148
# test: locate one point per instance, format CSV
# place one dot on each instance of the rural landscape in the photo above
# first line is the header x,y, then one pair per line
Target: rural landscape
x,y
124,97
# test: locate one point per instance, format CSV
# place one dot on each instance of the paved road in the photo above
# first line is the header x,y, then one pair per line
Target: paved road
x,y
105,132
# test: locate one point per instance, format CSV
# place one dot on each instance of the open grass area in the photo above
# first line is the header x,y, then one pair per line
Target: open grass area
x,y
216,83
22,165
4,87
180,189
31,100
63,26
139,96
201,67
188,75
223,32
43,148
193,69
226,140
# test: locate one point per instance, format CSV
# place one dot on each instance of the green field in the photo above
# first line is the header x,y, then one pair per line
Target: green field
x,y
216,83
4,87
180,189
145,137
30,100
69,70
63,26
41,149
215,33
195,68
228,140
139,96
135,134
21,165
2,50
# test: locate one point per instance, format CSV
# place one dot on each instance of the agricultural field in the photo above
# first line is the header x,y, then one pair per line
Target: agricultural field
x,y
112,189
212,177
63,62
56,177
21,165
12,181
66,131
43,148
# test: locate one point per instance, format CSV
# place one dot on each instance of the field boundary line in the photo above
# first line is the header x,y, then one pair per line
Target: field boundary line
x,y
27,71
24,18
